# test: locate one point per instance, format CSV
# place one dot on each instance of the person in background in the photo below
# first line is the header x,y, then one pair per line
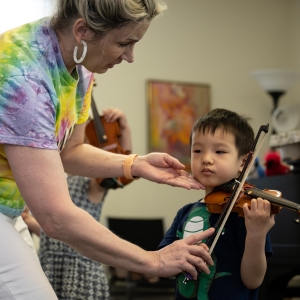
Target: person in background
x,y
47,70
220,142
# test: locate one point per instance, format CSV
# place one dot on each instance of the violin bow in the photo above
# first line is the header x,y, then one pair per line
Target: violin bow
x,y
212,240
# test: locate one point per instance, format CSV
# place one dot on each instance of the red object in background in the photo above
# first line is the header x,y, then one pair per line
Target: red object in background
x,y
274,165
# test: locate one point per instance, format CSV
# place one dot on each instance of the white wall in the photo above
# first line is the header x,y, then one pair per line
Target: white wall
x,y
12,12
204,41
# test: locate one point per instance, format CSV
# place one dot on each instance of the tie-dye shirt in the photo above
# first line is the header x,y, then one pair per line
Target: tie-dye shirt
x,y
40,102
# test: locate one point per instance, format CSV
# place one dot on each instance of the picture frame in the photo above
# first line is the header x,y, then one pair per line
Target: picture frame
x,y
173,108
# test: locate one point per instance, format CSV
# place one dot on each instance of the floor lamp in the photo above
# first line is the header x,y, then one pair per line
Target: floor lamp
x,y
276,82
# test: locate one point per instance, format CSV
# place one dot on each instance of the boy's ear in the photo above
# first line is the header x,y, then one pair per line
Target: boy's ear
x,y
243,161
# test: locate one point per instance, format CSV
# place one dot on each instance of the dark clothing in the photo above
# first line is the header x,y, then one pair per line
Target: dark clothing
x,y
224,281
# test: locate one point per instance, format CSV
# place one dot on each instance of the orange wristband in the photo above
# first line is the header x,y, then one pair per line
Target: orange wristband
x,y
127,164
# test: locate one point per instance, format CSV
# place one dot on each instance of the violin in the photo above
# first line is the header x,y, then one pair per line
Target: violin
x,y
217,199
105,135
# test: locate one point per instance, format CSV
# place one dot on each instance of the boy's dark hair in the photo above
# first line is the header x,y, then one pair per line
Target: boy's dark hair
x,y
228,121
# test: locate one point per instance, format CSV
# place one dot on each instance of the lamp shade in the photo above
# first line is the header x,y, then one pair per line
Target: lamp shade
x,y
276,79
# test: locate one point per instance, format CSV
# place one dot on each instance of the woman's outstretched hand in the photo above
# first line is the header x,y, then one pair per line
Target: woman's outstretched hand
x,y
163,168
184,256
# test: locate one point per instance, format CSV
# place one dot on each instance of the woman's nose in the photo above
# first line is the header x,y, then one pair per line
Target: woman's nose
x,y
128,55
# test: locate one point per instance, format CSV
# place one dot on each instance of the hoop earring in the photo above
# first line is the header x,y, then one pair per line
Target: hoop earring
x,y
78,61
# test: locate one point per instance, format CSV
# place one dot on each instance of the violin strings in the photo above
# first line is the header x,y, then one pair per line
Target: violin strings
x,y
276,200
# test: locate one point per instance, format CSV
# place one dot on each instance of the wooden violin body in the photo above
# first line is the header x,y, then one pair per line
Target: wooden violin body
x,y
105,135
110,136
218,198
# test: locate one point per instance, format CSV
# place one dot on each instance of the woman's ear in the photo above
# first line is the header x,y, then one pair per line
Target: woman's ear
x,y
81,31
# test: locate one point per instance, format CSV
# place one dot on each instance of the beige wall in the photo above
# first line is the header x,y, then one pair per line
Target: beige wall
x,y
295,46
204,41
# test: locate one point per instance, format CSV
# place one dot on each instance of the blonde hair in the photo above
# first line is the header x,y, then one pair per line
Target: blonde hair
x,y
103,16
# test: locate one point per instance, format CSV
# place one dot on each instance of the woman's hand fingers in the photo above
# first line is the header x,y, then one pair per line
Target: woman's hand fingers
x,y
184,256
163,168
203,245
196,239
194,183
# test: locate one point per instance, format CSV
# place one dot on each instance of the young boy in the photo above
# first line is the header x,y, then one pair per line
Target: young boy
x,y
220,143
